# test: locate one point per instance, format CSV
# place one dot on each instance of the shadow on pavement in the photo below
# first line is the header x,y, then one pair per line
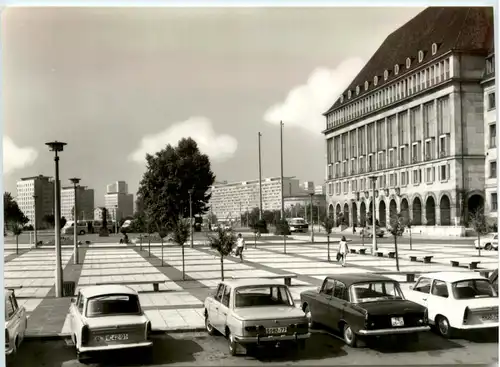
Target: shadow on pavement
x,y
480,336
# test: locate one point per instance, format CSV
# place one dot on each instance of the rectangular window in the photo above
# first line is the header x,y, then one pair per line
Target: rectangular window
x,y
330,189
381,137
352,138
494,202
353,166
381,160
491,101
403,158
428,116
444,172
403,128
337,170
429,175
371,137
361,141
417,176
344,146
346,187
392,131
361,165
370,163
354,185
493,136
415,123
429,149
392,158
444,147
329,150
493,169
443,115
344,168
415,153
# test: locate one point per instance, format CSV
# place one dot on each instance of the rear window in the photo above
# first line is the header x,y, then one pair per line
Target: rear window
x,y
475,288
116,304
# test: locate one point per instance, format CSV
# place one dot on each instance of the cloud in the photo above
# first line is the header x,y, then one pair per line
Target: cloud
x,y
305,104
15,157
217,147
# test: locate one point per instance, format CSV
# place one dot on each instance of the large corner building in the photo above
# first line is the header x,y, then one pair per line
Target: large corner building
x,y
419,121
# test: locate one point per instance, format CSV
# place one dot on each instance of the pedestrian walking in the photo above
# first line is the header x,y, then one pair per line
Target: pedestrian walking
x,y
240,245
343,249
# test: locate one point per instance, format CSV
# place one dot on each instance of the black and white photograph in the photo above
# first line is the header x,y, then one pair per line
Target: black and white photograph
x,y
241,184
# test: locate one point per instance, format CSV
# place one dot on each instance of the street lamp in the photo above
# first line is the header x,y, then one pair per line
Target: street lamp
x,y
57,146
190,192
116,219
312,218
374,220
34,219
75,182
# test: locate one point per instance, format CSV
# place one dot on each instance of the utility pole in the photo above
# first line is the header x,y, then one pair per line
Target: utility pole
x,y
75,182
312,218
374,218
260,179
282,184
34,220
190,191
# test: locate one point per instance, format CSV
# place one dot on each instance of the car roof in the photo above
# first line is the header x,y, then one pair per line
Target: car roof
x,y
237,283
453,276
353,278
102,290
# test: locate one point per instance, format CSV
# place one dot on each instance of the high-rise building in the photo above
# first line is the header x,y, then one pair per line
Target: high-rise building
x,y
412,123
85,202
307,186
43,188
118,201
230,199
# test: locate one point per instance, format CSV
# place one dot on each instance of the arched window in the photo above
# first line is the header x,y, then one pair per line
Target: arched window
x,y
434,48
367,85
420,55
348,94
341,98
396,69
408,63
386,74
375,80
357,90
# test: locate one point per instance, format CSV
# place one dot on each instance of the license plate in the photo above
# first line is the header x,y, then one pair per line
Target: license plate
x,y
397,321
276,330
490,317
115,337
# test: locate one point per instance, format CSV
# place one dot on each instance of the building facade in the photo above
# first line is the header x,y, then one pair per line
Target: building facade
x,y
409,129
297,205
43,188
85,202
228,200
118,201
117,187
98,214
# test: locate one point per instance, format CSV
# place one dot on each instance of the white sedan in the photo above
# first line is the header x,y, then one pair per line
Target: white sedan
x,y
108,317
488,242
456,301
16,323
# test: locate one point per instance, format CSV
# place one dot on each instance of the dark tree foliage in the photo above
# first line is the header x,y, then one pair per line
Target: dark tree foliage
x,y
104,213
170,174
11,212
223,241
49,219
282,228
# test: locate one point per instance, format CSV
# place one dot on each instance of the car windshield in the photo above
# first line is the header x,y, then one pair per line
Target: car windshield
x,y
375,291
475,288
259,296
114,304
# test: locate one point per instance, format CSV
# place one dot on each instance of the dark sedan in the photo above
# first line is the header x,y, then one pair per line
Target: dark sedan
x,y
363,305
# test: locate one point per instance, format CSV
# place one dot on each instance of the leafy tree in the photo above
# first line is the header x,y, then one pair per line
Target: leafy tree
x,y
253,217
180,235
397,228
17,229
11,213
223,242
170,174
282,228
479,222
63,221
328,224
49,219
212,218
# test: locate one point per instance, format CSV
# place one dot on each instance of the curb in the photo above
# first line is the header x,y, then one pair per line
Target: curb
x,y
62,336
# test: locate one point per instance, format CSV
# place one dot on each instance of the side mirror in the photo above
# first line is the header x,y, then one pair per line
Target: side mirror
x,y
73,299
318,289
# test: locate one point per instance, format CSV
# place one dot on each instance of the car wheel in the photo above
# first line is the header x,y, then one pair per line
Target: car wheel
x,y
208,326
82,233
350,337
81,358
443,326
231,343
312,324
488,247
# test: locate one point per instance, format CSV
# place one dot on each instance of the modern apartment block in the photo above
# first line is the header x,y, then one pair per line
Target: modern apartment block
x,y
43,188
230,199
118,201
85,202
413,122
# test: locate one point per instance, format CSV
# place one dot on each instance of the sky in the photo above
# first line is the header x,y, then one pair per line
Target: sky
x,y
117,83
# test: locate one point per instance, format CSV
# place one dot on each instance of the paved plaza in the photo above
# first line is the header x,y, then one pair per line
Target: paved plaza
x,y
179,304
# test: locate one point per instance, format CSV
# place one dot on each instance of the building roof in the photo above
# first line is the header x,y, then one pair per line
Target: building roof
x,y
39,177
451,28
102,290
236,283
453,276
352,278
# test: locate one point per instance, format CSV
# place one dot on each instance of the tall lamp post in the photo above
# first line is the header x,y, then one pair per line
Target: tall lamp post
x,y
190,191
34,220
56,147
374,217
282,195
312,218
260,180
75,182
116,219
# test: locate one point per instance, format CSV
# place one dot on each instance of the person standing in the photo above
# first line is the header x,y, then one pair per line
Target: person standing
x,y
343,249
240,245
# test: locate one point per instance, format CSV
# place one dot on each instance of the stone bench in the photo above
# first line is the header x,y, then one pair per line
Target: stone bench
x,y
381,253
424,258
361,251
410,276
472,265
156,283
287,277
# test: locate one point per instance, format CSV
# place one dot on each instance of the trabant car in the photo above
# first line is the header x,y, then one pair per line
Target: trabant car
x,y
254,312
16,323
488,242
106,318
456,301
363,305
298,225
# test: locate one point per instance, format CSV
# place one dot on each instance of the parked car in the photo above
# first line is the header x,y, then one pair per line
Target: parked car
x,y
254,312
298,225
368,232
108,317
16,323
363,305
487,242
494,279
456,301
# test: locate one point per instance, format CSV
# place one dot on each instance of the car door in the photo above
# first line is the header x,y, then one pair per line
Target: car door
x,y
420,292
214,307
437,302
337,305
319,308
13,318
224,308
76,315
